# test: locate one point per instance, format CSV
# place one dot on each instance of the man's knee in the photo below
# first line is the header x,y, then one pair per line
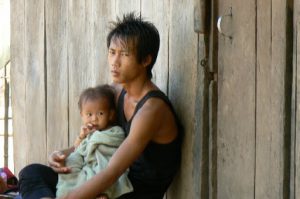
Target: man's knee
x,y
30,171
36,181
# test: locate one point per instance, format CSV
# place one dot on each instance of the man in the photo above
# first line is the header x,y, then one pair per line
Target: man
x,y
151,149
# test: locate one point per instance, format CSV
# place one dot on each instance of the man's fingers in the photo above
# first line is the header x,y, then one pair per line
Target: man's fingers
x,y
62,170
58,155
61,156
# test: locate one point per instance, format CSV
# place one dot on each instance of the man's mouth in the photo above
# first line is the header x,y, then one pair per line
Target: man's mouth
x,y
114,72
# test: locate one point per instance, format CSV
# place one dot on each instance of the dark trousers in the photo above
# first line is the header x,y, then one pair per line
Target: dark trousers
x,y
135,195
37,181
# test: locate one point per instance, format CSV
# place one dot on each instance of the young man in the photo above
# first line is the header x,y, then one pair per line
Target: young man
x,y
151,148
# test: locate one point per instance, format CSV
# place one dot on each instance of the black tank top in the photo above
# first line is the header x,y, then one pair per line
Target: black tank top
x,y
156,167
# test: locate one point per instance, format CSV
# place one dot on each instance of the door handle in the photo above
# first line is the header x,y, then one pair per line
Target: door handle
x,y
219,24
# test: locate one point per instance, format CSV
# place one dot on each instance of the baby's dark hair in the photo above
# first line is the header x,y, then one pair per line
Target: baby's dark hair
x,y
143,34
96,93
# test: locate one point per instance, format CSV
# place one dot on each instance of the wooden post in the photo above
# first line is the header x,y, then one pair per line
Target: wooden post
x,y
6,105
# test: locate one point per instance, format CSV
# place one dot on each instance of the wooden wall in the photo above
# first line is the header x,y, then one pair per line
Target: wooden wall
x,y
59,48
236,93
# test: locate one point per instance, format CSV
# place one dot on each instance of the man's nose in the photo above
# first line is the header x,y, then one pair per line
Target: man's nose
x,y
116,60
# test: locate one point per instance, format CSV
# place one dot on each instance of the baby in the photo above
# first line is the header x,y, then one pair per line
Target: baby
x,y
95,145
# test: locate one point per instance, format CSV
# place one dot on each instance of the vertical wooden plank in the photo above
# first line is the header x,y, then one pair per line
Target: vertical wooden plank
x,y
57,75
297,97
264,122
297,140
79,58
293,116
101,16
271,132
213,100
158,12
87,52
124,7
236,101
182,80
35,108
200,142
18,82
213,158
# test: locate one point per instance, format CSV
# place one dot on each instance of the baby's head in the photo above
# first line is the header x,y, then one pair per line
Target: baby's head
x,y
97,107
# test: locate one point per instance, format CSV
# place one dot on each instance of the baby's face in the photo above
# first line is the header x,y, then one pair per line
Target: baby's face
x,y
97,113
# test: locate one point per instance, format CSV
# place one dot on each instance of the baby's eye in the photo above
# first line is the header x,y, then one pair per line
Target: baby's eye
x,y
89,114
100,113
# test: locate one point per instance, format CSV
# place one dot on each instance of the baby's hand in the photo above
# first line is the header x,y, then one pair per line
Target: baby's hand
x,y
85,130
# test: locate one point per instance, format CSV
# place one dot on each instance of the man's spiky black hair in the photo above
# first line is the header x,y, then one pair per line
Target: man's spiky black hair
x,y
143,34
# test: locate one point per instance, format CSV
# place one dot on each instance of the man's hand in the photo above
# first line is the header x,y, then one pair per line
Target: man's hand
x,y
56,161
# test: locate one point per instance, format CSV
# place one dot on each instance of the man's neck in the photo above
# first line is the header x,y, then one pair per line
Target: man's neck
x,y
139,88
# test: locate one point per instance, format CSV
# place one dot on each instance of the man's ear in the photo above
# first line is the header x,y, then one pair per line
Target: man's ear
x,y
147,61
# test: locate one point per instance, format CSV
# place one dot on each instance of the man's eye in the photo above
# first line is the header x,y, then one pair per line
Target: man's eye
x,y
125,54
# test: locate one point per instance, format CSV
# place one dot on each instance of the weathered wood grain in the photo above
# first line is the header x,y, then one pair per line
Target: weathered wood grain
x,y
201,160
297,137
101,17
18,83
271,99
213,96
296,149
158,12
79,58
121,7
236,101
35,88
57,75
182,80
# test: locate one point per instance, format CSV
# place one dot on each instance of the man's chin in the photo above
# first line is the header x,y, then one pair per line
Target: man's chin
x,y
116,81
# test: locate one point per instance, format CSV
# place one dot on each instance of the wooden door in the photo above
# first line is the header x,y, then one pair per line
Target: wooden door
x,y
236,100
254,77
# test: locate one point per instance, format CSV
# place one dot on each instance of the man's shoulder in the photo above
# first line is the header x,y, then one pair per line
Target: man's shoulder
x,y
154,107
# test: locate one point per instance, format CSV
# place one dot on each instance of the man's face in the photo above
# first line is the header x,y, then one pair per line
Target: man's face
x,y
123,63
